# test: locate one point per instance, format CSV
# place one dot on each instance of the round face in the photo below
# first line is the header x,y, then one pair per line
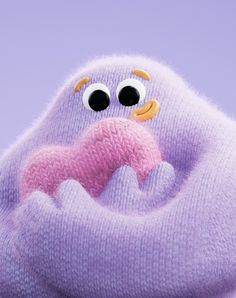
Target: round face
x,y
150,207
141,90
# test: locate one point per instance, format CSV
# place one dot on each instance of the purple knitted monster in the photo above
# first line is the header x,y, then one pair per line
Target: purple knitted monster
x,y
125,187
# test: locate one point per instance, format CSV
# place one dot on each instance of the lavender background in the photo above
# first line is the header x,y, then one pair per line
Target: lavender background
x,y
42,42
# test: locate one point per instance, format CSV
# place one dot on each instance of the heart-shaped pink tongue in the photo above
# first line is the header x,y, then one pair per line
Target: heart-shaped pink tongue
x,y
104,147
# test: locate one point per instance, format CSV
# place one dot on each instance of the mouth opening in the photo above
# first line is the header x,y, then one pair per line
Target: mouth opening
x,y
147,111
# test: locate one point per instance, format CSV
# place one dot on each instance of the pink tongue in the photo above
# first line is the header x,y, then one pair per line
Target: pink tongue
x,y
105,146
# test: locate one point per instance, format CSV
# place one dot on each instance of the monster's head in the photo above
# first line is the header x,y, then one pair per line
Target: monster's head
x,y
121,111
141,90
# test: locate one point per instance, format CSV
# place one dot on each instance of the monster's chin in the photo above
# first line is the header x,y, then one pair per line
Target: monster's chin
x,y
116,160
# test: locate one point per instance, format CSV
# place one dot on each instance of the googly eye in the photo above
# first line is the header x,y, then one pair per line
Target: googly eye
x,y
96,97
130,91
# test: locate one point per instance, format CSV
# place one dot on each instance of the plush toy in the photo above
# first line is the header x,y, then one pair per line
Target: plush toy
x,y
125,187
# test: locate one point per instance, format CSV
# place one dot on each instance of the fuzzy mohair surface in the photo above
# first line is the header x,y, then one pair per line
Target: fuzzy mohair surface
x,y
164,230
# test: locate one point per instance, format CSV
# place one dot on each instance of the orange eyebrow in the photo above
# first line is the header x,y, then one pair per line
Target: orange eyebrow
x,y
81,82
142,73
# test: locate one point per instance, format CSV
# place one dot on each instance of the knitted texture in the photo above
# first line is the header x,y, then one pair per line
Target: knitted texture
x,y
163,220
108,145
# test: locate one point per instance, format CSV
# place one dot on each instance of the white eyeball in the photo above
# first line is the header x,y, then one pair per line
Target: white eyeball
x,y
96,97
130,91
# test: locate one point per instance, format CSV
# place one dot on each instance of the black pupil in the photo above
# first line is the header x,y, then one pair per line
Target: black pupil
x,y
99,100
129,96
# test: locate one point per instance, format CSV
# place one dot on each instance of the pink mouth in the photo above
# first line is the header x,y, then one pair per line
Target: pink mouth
x,y
104,147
